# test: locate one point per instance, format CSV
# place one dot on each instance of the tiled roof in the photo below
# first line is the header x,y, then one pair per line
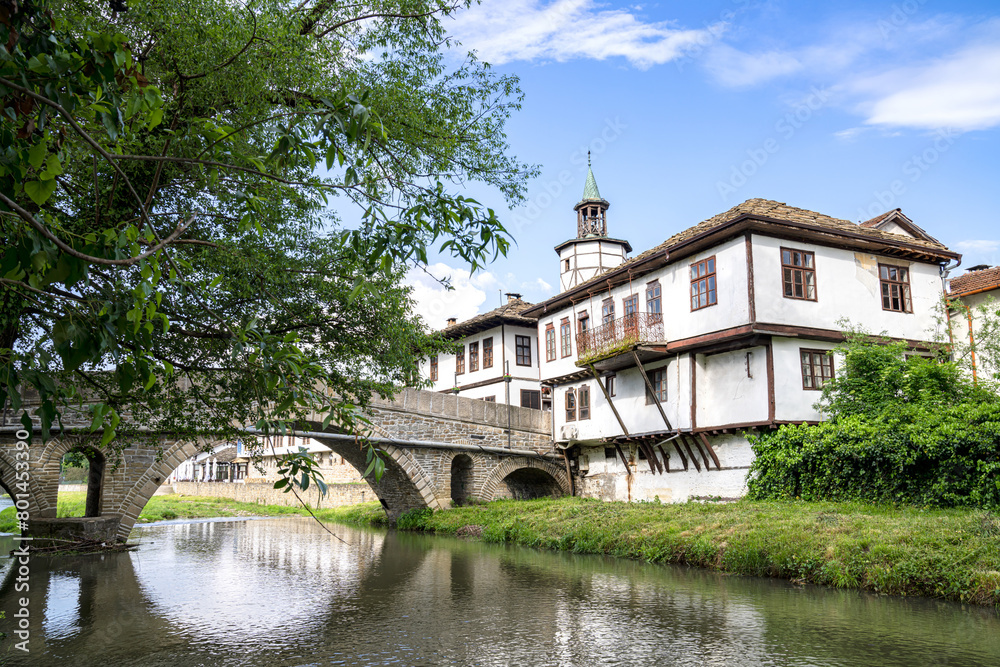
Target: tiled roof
x,y
768,211
879,218
975,281
590,191
509,313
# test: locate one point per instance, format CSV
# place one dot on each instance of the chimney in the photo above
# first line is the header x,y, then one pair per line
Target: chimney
x,y
452,321
512,296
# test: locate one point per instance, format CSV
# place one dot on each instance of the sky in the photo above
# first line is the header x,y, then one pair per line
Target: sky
x,y
845,108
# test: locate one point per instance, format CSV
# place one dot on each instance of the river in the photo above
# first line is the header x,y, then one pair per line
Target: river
x,y
285,592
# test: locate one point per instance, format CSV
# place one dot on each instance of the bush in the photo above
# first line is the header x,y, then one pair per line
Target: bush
x,y
947,457
901,431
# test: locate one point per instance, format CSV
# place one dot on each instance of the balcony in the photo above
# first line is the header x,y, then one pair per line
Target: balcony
x,y
617,336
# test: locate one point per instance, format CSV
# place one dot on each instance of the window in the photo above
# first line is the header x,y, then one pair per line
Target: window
x,y
522,346
583,401
582,322
488,352
607,311
460,361
798,274
653,301
566,265
570,405
531,398
490,399
434,368
609,384
550,342
610,453
565,338
658,379
895,288
631,304
703,292
817,368
473,357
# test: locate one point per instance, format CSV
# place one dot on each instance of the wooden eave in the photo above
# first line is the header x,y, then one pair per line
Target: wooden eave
x,y
753,222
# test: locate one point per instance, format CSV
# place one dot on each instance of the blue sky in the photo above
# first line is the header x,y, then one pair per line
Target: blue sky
x,y
846,108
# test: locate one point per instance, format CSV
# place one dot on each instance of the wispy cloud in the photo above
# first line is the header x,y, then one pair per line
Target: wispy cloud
x,y
977,246
937,73
735,68
960,91
503,31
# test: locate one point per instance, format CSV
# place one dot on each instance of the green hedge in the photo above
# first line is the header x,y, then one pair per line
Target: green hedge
x,y
948,456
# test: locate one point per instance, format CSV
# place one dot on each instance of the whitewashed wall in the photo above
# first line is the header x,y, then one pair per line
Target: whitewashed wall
x,y
847,285
791,401
727,392
524,376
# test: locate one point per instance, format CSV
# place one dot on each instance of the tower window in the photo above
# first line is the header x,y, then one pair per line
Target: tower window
x,y
566,265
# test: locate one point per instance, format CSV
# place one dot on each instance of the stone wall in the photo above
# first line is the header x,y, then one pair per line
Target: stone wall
x,y
427,415
265,494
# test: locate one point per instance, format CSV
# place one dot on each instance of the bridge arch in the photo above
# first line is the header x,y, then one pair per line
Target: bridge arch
x,y
536,478
138,495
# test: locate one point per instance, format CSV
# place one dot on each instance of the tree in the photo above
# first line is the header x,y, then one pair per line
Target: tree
x,y
171,186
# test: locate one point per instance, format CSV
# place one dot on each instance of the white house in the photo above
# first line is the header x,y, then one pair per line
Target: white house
x,y
497,358
966,294
658,364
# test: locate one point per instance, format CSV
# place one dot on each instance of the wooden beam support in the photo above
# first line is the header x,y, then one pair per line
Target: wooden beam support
x,y
607,397
711,451
666,458
687,446
649,388
569,475
624,460
770,381
701,452
651,455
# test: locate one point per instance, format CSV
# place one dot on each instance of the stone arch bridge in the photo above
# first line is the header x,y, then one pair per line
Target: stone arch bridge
x,y
438,449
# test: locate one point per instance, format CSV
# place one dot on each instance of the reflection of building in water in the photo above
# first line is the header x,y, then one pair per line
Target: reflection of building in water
x,y
239,463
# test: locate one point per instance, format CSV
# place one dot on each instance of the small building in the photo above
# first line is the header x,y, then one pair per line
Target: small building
x,y
497,358
660,363
978,286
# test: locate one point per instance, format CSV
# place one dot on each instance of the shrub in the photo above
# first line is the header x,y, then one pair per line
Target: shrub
x,y
901,430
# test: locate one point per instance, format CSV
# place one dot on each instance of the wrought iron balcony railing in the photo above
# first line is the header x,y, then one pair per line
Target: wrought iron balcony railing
x,y
619,335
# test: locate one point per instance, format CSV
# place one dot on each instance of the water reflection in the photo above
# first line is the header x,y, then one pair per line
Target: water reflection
x,y
285,592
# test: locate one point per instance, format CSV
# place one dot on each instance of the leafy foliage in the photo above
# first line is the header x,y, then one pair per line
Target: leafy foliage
x,y
172,183
902,430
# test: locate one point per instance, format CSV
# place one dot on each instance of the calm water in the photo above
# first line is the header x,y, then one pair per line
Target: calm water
x,y
285,592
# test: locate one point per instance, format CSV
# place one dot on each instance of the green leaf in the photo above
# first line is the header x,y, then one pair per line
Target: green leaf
x,y
40,191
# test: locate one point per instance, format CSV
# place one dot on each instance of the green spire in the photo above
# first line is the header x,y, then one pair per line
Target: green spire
x,y
590,190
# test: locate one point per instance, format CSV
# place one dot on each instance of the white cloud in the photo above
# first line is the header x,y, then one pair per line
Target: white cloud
x,y
735,68
435,304
850,134
978,246
503,31
960,91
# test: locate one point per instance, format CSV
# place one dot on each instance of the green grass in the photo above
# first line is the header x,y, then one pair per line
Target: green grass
x,y
165,508
951,554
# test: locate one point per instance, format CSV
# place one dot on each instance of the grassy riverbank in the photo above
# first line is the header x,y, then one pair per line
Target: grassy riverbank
x,y
951,554
165,508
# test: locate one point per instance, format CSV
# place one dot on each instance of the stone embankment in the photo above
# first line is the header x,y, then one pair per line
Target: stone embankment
x,y
264,493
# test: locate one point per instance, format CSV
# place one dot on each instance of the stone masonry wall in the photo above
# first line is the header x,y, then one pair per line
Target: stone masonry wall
x,y
263,493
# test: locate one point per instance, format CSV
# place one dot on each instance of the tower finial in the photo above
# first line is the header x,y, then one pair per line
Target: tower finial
x,y
588,158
